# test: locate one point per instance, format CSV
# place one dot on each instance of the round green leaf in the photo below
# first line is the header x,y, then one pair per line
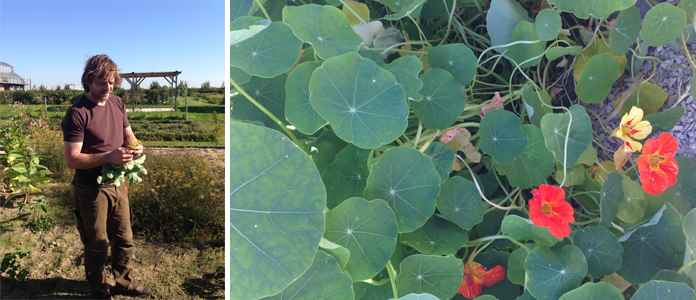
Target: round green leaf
x,y
555,52
407,8
324,149
612,193
362,102
662,24
597,77
625,31
367,230
548,24
411,83
408,62
368,291
665,120
268,53
504,289
442,157
491,224
673,276
408,181
554,128
274,238
523,229
346,176
649,97
689,6
574,175
268,92
502,136
325,27
298,110
443,100
460,202
501,24
664,290
456,58
597,8
437,236
594,291
652,246
689,227
524,54
534,104
533,166
239,76
683,193
324,279
526,296
601,248
515,268
633,204
439,276
553,274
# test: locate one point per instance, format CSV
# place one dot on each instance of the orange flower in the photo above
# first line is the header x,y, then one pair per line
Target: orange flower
x,y
548,209
633,128
476,276
657,167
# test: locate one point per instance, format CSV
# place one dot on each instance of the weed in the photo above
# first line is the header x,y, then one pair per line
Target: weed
x,y
12,267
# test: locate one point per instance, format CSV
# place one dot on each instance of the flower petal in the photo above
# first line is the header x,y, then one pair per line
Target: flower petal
x,y
651,146
551,193
671,169
668,144
563,211
559,228
495,275
633,117
631,145
535,214
641,130
657,182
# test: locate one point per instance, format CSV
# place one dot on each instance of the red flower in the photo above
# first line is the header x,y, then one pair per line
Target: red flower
x,y
548,209
476,276
657,167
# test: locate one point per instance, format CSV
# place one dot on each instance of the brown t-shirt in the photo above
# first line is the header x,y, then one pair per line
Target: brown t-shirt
x,y
99,128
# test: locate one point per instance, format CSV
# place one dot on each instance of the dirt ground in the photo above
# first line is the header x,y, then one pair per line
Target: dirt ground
x,y
55,259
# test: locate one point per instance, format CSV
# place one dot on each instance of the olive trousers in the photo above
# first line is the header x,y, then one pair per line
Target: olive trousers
x,y
104,215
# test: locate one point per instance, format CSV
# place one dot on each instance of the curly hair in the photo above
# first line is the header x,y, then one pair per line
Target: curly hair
x,y
99,66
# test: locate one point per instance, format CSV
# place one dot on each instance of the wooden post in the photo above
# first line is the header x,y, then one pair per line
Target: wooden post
x,y
186,117
45,107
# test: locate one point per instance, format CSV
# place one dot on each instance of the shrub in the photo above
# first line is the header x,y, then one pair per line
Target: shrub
x,y
181,199
50,143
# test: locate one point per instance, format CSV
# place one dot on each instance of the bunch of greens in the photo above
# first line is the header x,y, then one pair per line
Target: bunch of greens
x,y
113,174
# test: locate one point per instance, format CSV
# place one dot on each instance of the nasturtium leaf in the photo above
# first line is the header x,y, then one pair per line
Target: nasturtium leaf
x,y
325,27
443,100
533,166
683,193
574,175
555,126
298,110
442,157
597,8
665,120
548,24
339,253
460,202
503,289
500,25
625,30
526,296
268,92
408,8
363,102
612,193
524,53
373,56
368,291
555,52
412,84
408,181
486,297
689,227
673,276
268,53
413,296
324,279
534,103
240,9
515,268
439,276
408,62
647,96
351,8
346,176
523,229
274,238
368,230
664,290
244,33
491,224
594,291
553,274
502,136
598,75
239,76
435,9
662,24
652,246
456,58
601,248
437,236
689,6
324,149
589,157
633,204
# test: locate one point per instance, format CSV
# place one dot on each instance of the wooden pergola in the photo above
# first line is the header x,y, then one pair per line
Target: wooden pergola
x,y
136,78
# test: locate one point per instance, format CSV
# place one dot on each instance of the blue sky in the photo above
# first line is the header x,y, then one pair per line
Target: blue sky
x,y
49,41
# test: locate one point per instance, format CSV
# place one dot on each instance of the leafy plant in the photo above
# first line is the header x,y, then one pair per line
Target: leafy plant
x,y
11,265
40,221
115,174
357,157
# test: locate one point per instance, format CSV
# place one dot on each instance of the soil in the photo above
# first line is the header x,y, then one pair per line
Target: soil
x,y
55,262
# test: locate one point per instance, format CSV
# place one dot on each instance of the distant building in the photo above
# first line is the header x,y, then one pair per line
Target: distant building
x,y
9,80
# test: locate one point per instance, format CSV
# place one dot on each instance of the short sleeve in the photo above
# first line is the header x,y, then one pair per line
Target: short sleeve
x,y
73,127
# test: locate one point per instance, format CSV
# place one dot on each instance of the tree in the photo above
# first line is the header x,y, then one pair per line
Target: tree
x,y
222,86
183,88
42,88
67,86
205,85
57,87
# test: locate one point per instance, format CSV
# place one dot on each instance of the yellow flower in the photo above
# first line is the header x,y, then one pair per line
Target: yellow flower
x,y
633,128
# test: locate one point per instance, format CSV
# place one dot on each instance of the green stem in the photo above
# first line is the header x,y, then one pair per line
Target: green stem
x,y
686,266
263,9
269,114
497,237
586,222
392,278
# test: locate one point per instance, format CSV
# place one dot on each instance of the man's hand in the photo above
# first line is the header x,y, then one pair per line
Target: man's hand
x,y
138,151
122,155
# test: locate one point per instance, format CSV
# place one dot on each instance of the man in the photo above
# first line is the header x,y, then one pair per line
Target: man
x,y
96,131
